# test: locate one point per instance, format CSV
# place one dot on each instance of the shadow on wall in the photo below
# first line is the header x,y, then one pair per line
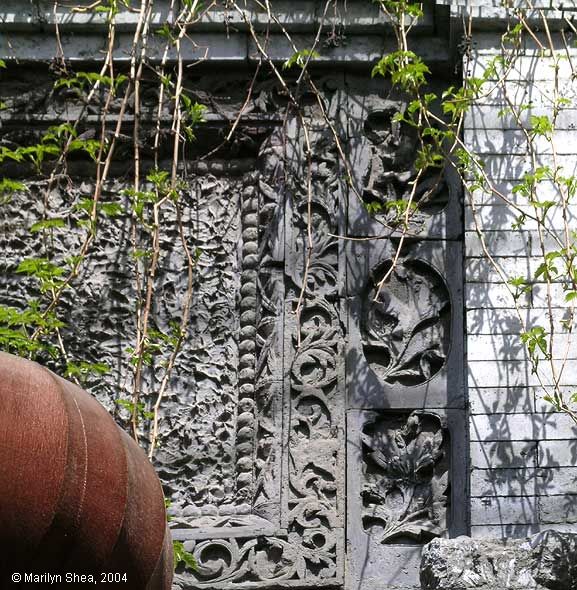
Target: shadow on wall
x,y
523,455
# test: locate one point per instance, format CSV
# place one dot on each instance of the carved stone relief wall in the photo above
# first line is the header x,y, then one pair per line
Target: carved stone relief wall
x,y
406,323
299,370
291,377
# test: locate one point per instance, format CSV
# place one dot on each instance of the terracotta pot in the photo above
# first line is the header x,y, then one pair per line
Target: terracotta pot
x,y
77,495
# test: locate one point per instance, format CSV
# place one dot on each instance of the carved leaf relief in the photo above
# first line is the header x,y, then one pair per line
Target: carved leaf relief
x,y
406,477
391,173
406,323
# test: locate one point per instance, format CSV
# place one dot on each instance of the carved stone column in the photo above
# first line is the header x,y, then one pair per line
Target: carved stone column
x,y
405,395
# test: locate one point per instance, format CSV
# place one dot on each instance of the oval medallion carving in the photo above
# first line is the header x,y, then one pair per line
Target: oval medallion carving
x,y
406,325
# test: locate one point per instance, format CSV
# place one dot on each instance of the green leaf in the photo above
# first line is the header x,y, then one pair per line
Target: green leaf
x,y
541,125
83,369
405,69
8,187
517,281
111,209
181,555
40,267
47,224
300,58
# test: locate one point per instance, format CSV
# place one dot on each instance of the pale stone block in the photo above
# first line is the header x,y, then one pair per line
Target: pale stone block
x,y
506,321
504,454
552,426
504,510
557,453
500,400
558,509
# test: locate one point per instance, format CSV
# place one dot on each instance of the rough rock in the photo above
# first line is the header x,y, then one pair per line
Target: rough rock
x,y
547,560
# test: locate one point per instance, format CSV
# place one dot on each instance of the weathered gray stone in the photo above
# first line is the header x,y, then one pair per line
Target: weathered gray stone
x,y
517,373
253,427
505,321
505,531
488,117
545,561
427,369
486,455
482,270
511,347
557,453
559,509
514,141
504,510
501,400
522,427
504,217
503,482
397,490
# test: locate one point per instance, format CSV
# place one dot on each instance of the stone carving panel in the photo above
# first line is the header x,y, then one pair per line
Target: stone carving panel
x,y
316,445
199,469
383,159
404,353
290,422
391,176
406,323
252,441
405,345
406,472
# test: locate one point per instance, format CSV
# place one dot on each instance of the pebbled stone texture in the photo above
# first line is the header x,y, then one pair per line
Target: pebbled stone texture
x,y
547,560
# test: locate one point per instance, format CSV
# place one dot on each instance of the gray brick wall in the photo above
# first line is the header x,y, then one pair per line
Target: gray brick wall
x,y
523,456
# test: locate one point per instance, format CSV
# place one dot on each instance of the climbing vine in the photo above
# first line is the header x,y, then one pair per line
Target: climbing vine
x,y
439,124
161,136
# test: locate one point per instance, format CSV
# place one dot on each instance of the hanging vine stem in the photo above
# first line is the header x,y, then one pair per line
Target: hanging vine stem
x,y
405,73
552,391
293,103
61,160
102,166
304,76
402,15
327,119
135,77
103,160
163,196
540,217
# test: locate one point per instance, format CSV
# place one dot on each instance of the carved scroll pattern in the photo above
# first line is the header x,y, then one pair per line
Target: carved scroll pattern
x,y
269,331
406,477
308,546
316,421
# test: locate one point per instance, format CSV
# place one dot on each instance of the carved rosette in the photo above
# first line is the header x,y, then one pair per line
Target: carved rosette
x,y
406,470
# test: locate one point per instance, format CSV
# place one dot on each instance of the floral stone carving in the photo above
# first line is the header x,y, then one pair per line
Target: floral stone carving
x,y
392,177
286,526
406,470
406,324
